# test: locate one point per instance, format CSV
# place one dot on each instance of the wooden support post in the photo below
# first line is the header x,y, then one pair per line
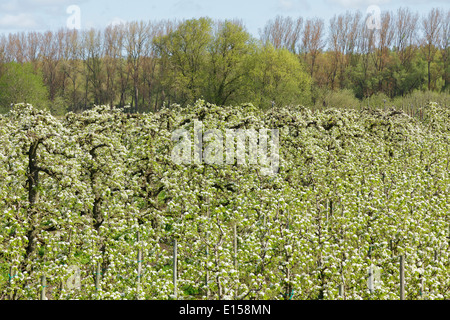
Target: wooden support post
x,y
11,276
391,246
370,282
139,269
421,288
97,277
175,262
402,277
207,277
43,286
235,246
341,290
207,251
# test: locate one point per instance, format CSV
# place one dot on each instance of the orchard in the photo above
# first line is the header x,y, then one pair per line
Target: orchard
x,y
92,204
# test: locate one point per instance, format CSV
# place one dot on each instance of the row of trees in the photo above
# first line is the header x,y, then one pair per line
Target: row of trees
x,y
149,64
355,189
402,53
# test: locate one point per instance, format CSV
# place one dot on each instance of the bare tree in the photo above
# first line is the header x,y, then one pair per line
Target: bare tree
x,y
8,54
21,47
122,67
71,64
382,44
16,47
431,26
33,49
149,66
51,57
342,42
312,41
350,42
366,41
136,37
283,32
2,53
445,47
113,38
405,34
92,53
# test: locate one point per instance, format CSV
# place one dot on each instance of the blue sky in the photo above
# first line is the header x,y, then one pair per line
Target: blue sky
x,y
41,15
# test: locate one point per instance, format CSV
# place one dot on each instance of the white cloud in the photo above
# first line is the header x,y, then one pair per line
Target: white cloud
x,y
286,4
362,4
290,5
54,8
423,2
19,21
358,3
34,14
51,2
10,6
187,6
116,21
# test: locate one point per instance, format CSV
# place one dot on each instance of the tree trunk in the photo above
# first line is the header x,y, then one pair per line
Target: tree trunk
x,y
429,75
136,97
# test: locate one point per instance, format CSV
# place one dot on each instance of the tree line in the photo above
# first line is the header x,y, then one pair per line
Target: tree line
x,y
149,64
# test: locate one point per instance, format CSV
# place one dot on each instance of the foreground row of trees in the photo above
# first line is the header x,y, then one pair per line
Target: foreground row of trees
x,y
149,64
355,188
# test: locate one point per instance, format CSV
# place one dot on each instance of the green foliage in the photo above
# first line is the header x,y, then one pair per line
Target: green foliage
x,y
419,98
185,50
355,188
377,101
153,64
410,77
228,66
279,76
58,107
19,83
340,99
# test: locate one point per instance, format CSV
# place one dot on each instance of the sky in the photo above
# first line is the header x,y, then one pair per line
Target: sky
x,y
43,15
